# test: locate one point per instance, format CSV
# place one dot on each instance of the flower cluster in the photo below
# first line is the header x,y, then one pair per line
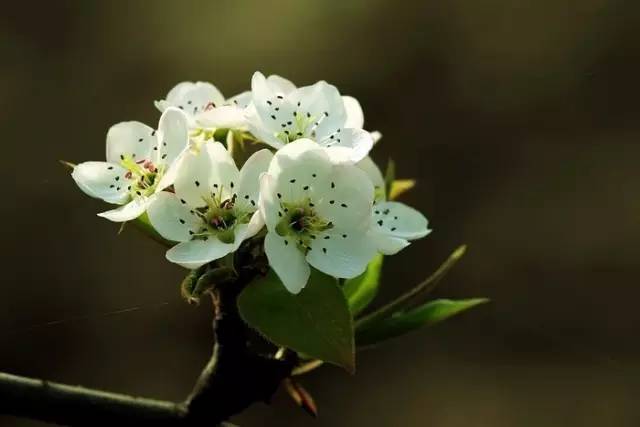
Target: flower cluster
x,y
313,195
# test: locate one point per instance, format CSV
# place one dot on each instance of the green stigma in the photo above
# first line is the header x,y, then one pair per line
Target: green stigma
x,y
220,216
143,175
301,222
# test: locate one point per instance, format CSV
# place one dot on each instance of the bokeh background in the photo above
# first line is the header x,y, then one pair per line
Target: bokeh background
x,y
519,118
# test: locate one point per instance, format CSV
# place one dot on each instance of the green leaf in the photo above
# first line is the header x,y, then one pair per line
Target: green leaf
x,y
316,322
400,186
361,290
402,302
389,176
404,322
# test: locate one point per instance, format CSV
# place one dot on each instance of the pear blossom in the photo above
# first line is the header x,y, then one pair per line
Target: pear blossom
x,y
281,115
205,105
139,164
355,115
317,214
214,207
393,224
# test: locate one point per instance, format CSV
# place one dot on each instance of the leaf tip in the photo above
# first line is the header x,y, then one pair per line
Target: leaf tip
x,y
472,302
459,252
67,165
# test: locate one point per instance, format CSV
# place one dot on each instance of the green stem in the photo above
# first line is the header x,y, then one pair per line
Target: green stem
x,y
422,289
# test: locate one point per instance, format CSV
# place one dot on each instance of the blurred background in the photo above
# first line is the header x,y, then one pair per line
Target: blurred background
x,y
518,118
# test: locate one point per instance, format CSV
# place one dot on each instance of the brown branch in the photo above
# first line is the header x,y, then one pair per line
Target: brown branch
x,y
234,378
73,405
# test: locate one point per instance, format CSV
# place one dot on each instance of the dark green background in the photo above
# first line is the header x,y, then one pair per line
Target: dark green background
x,y
519,118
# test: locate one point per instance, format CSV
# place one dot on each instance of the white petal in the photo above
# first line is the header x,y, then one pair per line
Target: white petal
x,y
341,253
386,244
255,225
170,174
173,136
131,139
223,168
178,91
161,105
196,253
375,136
194,98
223,117
261,93
269,203
173,219
375,175
261,130
279,117
347,199
248,187
102,180
355,116
208,170
287,261
130,211
324,103
399,220
269,111
241,100
300,170
348,145
280,84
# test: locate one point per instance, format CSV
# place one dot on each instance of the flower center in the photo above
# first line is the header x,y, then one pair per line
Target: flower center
x,y
143,175
301,222
302,125
220,217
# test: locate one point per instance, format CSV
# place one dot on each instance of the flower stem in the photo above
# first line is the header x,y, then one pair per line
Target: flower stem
x,y
420,290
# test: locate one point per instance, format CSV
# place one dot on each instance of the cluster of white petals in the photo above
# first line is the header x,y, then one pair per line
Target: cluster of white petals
x,y
315,196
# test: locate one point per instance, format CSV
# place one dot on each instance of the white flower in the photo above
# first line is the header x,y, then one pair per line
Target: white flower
x,y
393,224
280,115
205,105
138,165
214,207
317,213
